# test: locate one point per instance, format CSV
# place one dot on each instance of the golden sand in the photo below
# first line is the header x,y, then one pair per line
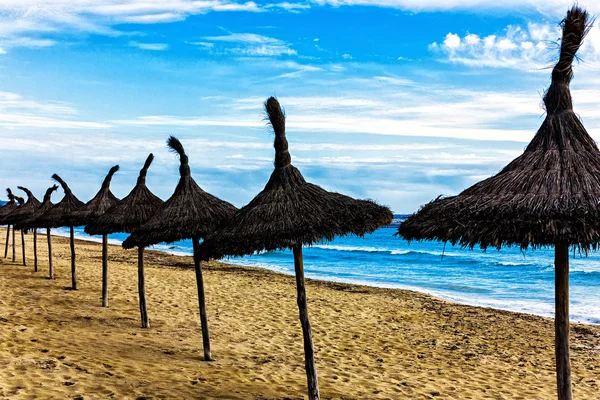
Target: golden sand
x,y
370,343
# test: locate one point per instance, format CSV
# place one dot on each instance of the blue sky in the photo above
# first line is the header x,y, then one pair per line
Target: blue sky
x,y
395,100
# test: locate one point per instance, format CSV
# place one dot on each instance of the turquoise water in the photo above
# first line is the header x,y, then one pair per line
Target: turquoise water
x,y
508,279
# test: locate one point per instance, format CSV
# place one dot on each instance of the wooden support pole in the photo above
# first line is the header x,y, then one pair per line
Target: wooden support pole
x,y
14,252
309,352
23,247
50,267
35,257
561,321
201,301
73,265
142,288
104,270
7,237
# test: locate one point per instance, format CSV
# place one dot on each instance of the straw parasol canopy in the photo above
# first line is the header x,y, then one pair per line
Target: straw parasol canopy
x,y
99,204
9,207
31,221
290,210
60,215
131,212
190,213
548,196
127,216
26,210
288,214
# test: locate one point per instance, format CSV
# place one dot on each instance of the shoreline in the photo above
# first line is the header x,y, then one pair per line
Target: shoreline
x,y
332,279
370,343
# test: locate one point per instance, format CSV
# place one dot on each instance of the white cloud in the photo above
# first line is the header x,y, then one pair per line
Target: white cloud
x,y
39,19
527,49
452,41
293,7
149,46
551,7
19,112
248,44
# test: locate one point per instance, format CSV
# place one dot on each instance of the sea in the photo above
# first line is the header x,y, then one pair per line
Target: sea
x,y
508,279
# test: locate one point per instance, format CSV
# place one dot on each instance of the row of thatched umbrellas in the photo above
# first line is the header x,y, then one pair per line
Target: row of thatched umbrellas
x,y
549,196
288,213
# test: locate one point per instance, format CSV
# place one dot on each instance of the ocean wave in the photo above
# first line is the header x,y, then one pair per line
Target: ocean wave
x,y
396,252
364,249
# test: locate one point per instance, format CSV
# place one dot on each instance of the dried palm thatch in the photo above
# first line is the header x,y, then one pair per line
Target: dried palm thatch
x,y
548,196
131,212
290,213
25,211
60,215
6,210
9,207
30,222
190,213
98,205
127,216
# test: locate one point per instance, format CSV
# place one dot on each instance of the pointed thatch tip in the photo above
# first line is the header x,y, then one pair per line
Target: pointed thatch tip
x,y
10,194
575,27
175,145
27,191
49,193
109,177
277,121
142,178
62,183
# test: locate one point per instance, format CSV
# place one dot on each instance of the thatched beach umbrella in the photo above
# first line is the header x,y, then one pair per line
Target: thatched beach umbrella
x,y
548,196
6,210
126,216
19,215
60,215
102,201
288,214
190,213
32,222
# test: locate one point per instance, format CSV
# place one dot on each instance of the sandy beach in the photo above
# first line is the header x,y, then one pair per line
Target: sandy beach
x,y
370,343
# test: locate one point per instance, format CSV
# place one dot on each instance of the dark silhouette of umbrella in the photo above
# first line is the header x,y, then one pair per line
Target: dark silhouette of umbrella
x,y
5,210
60,215
102,201
31,222
19,214
126,216
288,214
190,213
548,196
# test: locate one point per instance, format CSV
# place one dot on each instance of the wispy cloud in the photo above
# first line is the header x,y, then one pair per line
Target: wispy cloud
x,y
19,112
551,7
246,44
149,46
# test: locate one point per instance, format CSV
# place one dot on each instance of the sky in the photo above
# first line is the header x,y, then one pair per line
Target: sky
x,y
399,101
